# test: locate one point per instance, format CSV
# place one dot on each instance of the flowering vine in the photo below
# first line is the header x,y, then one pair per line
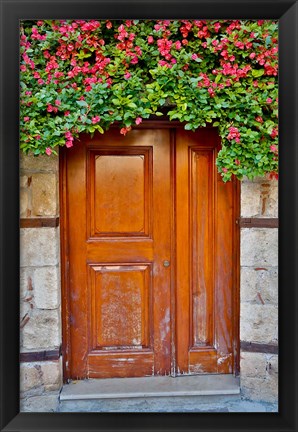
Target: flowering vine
x,y
82,76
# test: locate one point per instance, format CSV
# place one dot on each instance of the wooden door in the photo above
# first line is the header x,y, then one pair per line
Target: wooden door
x,y
206,258
148,235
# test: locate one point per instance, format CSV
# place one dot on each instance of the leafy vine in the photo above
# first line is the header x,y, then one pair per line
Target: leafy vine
x,y
82,76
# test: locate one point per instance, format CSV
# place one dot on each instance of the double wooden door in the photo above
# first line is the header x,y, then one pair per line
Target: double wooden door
x,y
149,249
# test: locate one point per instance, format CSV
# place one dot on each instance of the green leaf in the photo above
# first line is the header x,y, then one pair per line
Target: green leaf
x,y
257,72
82,103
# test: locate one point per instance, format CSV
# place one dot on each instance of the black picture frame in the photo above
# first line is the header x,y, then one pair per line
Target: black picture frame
x,y
287,13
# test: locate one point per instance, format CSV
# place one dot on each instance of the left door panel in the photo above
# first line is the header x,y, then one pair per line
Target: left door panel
x,y
119,290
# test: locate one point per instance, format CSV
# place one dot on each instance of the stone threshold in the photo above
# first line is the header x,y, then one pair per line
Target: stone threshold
x,y
150,387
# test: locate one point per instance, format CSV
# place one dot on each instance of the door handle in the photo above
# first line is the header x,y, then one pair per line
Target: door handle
x,y
166,263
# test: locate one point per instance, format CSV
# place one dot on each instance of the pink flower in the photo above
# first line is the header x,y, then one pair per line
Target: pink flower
x,y
274,133
23,68
224,170
194,56
237,162
234,134
26,119
69,144
269,100
124,130
150,39
127,75
273,148
138,120
66,113
57,102
178,45
109,25
259,119
95,119
48,151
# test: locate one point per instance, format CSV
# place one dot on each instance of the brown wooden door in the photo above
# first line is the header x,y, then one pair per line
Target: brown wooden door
x,y
148,229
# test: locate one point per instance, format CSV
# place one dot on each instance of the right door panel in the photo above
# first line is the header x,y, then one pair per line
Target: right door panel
x,y
205,257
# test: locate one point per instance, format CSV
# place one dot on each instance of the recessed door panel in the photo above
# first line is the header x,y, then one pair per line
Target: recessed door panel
x,y
120,301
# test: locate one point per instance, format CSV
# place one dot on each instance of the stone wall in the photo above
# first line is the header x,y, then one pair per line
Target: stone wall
x,y
40,302
259,293
40,319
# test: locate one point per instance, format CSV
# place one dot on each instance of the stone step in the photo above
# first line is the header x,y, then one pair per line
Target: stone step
x,y
150,394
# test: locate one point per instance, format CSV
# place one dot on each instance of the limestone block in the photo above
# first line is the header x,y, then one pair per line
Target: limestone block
x,y
24,202
46,288
250,199
25,284
44,194
23,181
49,402
259,376
259,285
259,198
259,247
41,163
51,375
272,201
258,389
39,246
30,376
25,309
43,330
259,323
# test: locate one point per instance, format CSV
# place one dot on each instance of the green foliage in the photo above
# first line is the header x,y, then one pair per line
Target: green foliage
x,y
82,76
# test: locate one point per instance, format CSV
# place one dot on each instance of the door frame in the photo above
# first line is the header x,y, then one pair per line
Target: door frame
x,y
160,123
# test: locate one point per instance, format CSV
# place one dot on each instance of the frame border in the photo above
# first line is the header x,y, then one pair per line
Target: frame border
x,y
14,10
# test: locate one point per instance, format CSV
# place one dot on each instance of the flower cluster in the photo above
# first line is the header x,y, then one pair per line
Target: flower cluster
x,y
82,76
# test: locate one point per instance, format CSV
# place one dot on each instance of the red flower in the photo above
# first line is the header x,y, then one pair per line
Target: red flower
x,y
95,119
150,39
274,149
259,119
124,130
127,75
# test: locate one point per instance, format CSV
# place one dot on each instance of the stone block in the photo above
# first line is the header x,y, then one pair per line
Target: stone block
x,y
259,285
24,202
51,375
41,163
259,323
46,288
30,376
272,201
48,402
39,247
259,376
250,199
23,181
259,198
44,194
259,247
42,331
25,284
